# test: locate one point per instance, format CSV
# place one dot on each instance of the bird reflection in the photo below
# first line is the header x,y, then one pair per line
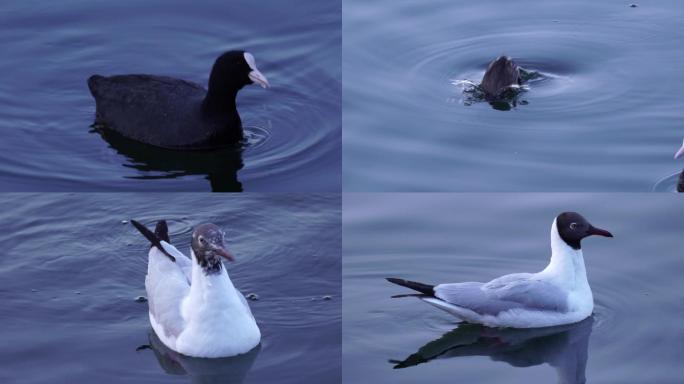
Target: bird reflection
x,y
226,370
563,347
220,166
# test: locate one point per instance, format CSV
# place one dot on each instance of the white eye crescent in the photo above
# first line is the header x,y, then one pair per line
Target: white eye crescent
x,y
573,226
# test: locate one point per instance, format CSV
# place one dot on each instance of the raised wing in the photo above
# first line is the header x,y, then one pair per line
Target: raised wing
x,y
166,286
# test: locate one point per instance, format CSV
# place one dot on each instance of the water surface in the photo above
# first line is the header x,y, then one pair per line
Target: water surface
x,y
606,114
634,335
71,272
49,51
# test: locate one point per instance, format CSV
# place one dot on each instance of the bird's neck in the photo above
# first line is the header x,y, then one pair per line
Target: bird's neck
x,y
220,102
566,266
220,108
207,285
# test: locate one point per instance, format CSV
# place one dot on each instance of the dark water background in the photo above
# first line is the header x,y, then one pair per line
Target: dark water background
x,y
607,116
49,49
71,271
636,335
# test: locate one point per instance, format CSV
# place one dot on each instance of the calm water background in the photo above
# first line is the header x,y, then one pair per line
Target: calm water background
x,y
607,117
71,271
433,238
49,50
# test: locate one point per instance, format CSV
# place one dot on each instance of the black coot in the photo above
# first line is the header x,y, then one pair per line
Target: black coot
x,y
174,113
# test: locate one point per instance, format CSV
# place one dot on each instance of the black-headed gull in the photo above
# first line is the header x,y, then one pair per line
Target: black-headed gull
x,y
194,307
559,294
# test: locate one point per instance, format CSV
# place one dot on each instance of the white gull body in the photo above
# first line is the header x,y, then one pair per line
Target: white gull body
x,y
197,314
559,294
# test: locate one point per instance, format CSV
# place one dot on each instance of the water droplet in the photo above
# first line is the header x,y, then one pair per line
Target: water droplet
x,y
253,296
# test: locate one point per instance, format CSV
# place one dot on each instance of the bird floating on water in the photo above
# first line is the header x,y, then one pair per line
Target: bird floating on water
x,y
559,294
193,306
173,113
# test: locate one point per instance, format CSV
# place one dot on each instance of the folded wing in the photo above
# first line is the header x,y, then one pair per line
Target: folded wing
x,y
167,284
519,291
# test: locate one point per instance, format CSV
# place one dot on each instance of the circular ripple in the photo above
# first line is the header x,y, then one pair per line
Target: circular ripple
x,y
255,136
667,183
566,86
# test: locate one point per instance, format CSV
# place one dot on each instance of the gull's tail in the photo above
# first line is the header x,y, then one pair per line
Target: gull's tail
x,y
155,238
420,287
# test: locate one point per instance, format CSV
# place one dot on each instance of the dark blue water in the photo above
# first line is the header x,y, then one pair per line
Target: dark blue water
x,y
606,114
50,49
634,335
71,271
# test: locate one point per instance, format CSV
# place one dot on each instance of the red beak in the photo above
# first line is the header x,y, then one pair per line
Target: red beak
x,y
223,252
599,231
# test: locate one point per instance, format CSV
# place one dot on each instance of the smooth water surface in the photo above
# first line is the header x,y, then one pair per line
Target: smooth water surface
x,y
605,115
634,336
71,272
50,49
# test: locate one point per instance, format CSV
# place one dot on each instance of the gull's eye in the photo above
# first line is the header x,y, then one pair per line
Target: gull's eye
x,y
201,239
573,226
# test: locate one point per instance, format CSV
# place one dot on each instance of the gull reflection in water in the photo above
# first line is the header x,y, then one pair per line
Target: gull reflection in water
x,y
565,347
225,370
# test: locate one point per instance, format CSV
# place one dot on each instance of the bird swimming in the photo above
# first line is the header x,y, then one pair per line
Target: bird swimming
x,y
559,294
501,76
193,306
173,113
680,182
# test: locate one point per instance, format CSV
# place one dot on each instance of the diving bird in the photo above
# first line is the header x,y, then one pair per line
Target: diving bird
x,y
173,113
502,75
680,182
559,294
193,306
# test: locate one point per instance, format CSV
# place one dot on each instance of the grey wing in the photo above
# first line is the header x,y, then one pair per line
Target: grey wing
x,y
182,261
513,292
532,293
472,296
166,287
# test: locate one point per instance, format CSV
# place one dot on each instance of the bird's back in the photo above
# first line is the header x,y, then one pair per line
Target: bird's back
x,y
501,74
155,110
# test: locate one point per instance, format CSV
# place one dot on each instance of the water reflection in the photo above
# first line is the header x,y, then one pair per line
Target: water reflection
x,y
563,347
220,167
223,370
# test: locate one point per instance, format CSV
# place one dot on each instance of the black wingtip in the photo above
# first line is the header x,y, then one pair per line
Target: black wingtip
x,y
162,231
151,237
416,286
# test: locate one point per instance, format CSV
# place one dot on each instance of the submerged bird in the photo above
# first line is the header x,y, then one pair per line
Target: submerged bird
x,y
502,75
194,307
560,294
173,113
680,182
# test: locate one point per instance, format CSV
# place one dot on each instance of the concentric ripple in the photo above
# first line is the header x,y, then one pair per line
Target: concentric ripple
x,y
593,121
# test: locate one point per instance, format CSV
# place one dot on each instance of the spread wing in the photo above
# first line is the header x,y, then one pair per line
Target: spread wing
x,y
508,292
167,284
